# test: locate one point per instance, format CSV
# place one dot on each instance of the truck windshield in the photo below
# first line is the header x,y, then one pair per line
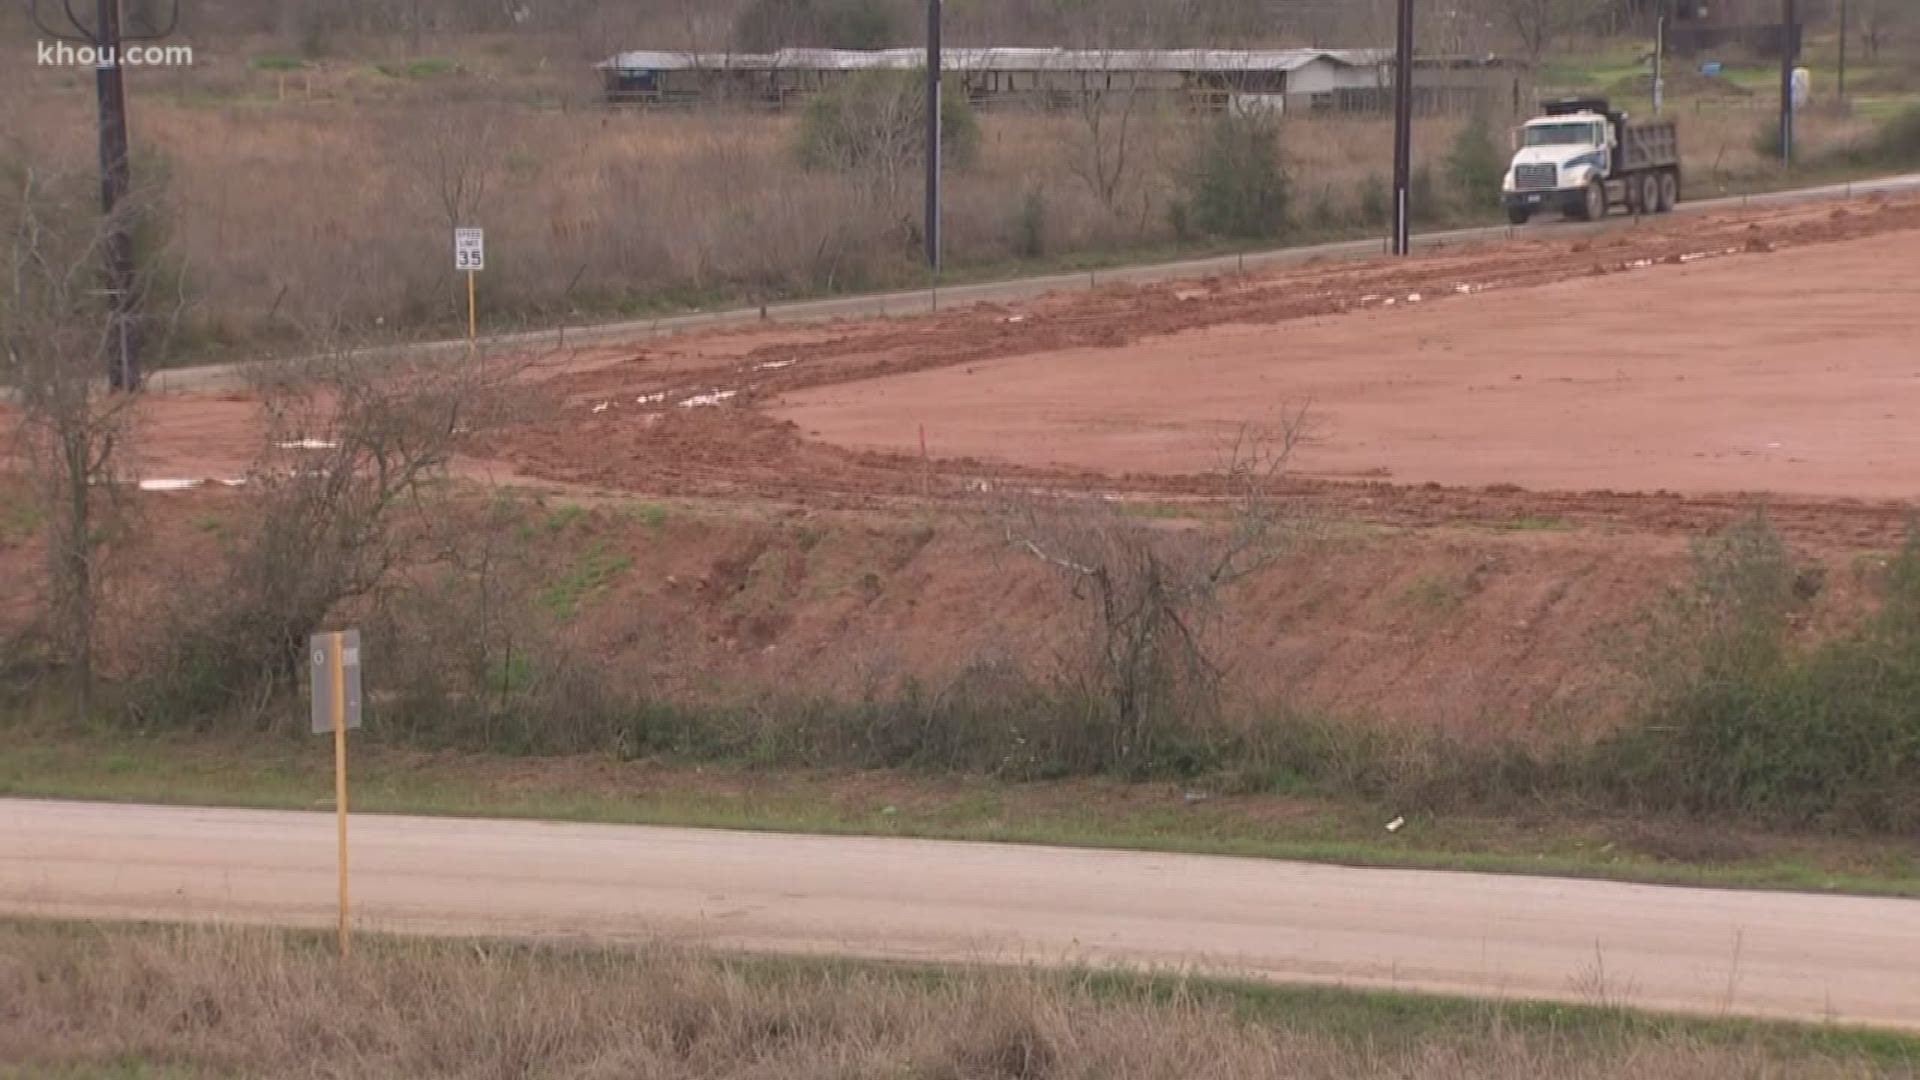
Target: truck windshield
x,y
1579,134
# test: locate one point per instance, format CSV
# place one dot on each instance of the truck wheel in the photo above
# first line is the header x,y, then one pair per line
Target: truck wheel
x,y
1669,191
1519,215
1593,206
1649,194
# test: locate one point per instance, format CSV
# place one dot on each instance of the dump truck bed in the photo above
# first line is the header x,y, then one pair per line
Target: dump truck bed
x,y
1652,144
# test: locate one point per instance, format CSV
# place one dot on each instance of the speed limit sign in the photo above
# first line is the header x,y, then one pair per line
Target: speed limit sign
x,y
469,250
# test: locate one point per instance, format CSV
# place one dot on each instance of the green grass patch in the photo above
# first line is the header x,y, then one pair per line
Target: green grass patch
x,y
1753,77
510,675
652,515
276,62
1155,511
295,773
1595,69
1883,106
426,67
20,515
563,518
211,524
1534,523
1434,593
592,572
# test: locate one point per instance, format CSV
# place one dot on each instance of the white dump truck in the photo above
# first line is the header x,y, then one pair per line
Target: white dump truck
x,y
1582,158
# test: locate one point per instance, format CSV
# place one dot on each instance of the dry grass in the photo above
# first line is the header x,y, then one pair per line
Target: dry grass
x,y
205,1003
314,194
291,212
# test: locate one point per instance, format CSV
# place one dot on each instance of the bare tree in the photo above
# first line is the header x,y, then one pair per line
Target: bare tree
x,y
351,441
1107,137
454,161
872,128
56,329
450,166
415,18
1880,21
1149,593
1537,24
1116,115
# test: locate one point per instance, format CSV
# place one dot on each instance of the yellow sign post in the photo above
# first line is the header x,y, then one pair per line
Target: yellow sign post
x,y
337,676
336,707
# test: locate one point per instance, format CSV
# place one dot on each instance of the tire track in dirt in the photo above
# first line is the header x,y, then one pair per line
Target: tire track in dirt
x,y
1119,315
620,426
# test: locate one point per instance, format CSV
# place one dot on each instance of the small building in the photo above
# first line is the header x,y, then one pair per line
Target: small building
x,y
1285,80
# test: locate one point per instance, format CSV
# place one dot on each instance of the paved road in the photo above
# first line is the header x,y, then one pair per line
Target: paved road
x,y
1795,955
920,301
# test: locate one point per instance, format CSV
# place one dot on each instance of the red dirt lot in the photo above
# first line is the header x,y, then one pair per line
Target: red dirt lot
x,y
1794,371
1769,350
1509,470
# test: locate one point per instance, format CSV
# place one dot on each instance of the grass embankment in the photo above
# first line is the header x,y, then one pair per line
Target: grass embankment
x,y
276,772
1758,758
149,1002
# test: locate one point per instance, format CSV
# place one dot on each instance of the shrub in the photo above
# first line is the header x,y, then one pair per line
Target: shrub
x,y
876,121
1143,693
1423,196
1237,187
1742,720
1475,165
350,444
1376,203
313,27
1324,213
1897,142
1180,220
1029,226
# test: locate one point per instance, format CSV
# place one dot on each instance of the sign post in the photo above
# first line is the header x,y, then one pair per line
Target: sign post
x,y
470,257
336,707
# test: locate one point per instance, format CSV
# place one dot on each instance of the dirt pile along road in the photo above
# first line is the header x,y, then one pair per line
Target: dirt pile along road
x,y
1844,959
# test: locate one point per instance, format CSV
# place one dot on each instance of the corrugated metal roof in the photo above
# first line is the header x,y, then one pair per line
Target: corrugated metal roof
x,y
1001,59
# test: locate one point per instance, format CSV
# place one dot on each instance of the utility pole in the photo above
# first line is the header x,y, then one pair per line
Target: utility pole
x,y
1842,89
107,38
1789,54
933,136
1403,132
1660,59
116,179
